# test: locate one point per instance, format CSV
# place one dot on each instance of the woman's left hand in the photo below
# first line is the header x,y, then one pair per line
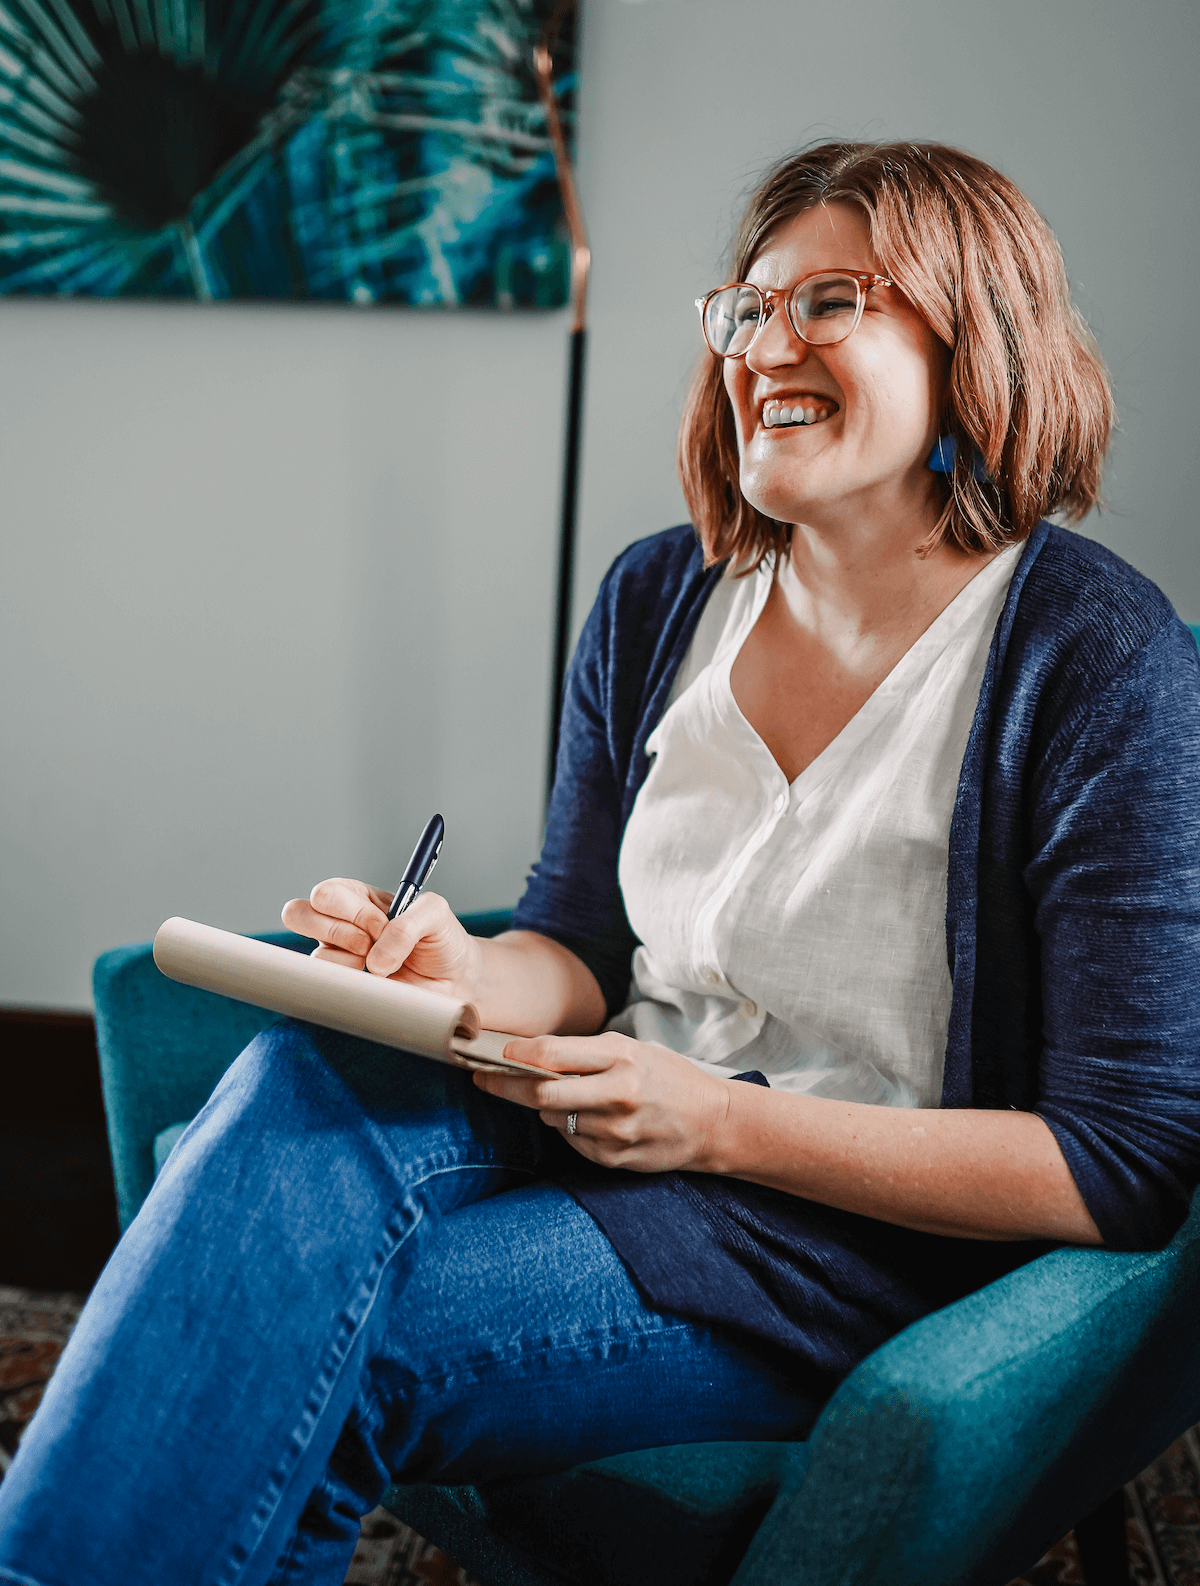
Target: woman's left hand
x,y
967,1172
637,1106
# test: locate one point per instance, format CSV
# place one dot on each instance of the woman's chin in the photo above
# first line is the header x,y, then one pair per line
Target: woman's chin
x,y
792,495
784,506
829,499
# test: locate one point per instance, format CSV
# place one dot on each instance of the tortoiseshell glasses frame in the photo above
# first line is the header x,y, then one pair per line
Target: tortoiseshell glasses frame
x,y
815,312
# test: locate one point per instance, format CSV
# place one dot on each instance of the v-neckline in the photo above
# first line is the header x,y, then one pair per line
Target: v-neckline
x,y
922,653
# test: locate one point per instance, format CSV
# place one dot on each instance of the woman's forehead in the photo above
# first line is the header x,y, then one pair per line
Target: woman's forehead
x,y
828,237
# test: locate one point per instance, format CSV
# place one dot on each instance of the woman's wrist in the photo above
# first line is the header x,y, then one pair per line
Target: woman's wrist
x,y
720,1145
527,984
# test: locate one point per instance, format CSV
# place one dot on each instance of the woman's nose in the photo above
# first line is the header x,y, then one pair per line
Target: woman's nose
x,y
776,343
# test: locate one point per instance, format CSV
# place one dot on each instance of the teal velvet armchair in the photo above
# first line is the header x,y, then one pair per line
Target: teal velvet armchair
x,y
954,1455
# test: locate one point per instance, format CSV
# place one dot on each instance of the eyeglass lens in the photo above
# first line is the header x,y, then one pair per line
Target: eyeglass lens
x,y
823,310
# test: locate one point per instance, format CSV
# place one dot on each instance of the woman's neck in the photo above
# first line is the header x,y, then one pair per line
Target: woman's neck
x,y
863,585
837,619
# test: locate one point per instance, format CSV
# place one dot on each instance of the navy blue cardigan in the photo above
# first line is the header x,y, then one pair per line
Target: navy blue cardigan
x,y
1072,931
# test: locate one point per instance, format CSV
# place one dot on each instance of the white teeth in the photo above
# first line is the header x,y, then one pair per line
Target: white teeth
x,y
775,413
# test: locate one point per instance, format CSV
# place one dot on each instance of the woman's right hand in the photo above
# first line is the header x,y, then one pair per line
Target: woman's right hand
x,y
426,946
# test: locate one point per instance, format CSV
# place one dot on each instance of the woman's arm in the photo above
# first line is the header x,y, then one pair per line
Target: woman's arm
x,y
967,1173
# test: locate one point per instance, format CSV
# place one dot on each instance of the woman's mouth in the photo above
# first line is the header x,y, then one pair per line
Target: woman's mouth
x,y
792,412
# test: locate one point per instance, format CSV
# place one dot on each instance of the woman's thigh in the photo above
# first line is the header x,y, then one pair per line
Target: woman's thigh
x,y
520,1344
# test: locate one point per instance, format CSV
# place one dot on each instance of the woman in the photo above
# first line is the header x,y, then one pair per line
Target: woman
x,y
901,821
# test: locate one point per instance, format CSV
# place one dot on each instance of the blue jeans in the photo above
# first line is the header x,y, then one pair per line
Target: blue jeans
x,y
351,1271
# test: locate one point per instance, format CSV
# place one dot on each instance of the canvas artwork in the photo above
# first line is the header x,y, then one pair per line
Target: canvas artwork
x,y
342,150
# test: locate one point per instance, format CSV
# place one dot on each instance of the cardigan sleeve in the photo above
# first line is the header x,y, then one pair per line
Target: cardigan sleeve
x,y
1115,880
617,685
573,895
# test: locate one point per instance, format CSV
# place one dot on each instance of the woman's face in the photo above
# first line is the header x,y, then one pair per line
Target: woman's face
x,y
880,390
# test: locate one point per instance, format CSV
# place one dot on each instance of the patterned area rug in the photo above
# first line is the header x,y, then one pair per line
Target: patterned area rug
x,y
1162,1505
33,1329
1162,1526
390,1553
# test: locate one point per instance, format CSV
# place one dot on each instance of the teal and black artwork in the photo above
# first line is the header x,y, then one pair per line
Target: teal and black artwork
x,y
340,150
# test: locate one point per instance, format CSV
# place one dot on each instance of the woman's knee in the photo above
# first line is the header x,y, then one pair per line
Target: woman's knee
x,y
305,1112
308,1076
282,1125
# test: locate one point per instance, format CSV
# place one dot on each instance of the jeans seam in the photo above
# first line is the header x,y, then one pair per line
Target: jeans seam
x,y
338,1364
561,1349
285,1559
410,1175
456,1167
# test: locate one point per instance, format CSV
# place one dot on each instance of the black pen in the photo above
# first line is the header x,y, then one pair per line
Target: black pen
x,y
416,872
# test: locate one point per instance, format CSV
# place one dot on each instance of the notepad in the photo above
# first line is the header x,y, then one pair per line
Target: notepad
x,y
388,1011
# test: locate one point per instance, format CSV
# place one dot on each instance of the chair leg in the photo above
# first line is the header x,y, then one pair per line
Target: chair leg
x,y
1100,1538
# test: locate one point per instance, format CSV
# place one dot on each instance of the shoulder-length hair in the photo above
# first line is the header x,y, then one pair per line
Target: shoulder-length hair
x,y
1027,393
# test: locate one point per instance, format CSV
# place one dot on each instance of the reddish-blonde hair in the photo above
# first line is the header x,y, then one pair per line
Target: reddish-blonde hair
x,y
1027,392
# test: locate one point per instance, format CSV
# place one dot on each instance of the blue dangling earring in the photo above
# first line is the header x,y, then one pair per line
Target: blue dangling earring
x,y
941,458
945,450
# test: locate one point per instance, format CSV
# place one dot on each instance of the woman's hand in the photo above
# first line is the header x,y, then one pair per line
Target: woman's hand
x,y
637,1106
426,946
966,1172
519,981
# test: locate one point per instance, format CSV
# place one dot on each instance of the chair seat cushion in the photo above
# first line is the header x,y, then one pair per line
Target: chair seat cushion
x,y
164,1144
682,1515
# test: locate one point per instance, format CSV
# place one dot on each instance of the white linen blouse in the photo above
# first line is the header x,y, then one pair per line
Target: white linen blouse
x,y
800,929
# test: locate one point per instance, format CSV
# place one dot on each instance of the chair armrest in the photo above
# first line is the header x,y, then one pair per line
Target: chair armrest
x,y
163,1047
967,1445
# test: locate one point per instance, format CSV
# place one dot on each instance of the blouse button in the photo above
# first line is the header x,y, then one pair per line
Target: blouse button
x,y
750,1009
713,976
781,802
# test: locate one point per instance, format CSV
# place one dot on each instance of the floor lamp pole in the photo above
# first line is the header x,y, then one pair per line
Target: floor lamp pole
x,y
581,258
566,547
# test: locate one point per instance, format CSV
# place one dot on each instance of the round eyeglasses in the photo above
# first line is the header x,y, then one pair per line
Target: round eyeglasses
x,y
822,309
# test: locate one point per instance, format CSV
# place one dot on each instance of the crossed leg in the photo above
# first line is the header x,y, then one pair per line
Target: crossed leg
x,y
351,1271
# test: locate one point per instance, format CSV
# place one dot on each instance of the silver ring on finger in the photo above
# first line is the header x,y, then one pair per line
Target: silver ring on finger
x,y
572,1123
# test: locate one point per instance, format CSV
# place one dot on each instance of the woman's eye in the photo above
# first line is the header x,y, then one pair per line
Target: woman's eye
x,y
831,305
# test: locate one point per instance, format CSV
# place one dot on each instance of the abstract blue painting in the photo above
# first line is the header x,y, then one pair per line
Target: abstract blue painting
x,y
340,150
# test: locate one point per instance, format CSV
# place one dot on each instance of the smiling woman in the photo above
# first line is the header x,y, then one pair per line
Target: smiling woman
x,y
877,389
861,957
972,262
